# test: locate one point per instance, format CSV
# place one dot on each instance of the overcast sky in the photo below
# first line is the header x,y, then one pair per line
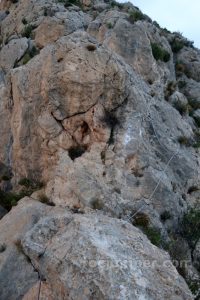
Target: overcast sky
x,y
175,15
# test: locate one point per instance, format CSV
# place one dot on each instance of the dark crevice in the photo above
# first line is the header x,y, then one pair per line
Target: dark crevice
x,y
76,151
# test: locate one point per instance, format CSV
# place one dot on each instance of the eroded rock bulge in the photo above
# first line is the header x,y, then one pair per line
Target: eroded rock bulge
x,y
61,96
101,105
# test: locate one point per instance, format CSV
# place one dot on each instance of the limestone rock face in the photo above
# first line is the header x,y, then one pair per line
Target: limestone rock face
x,y
99,114
65,80
48,32
128,40
62,23
5,115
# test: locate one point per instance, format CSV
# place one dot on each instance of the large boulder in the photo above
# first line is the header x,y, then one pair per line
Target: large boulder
x,y
93,256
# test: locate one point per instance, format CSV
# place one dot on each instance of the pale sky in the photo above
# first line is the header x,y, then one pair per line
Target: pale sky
x,y
175,15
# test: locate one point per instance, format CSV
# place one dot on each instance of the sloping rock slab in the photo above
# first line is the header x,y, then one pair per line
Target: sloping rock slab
x,y
96,257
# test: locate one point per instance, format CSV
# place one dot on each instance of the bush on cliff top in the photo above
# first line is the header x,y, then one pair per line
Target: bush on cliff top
x,y
135,16
159,53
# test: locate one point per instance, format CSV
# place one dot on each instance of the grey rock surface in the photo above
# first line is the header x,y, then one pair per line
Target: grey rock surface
x,y
12,53
179,101
98,257
97,121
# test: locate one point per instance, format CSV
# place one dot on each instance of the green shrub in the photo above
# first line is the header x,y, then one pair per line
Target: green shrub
x,y
196,144
73,2
26,59
156,24
135,16
183,140
165,31
170,89
33,51
159,53
109,25
68,3
190,227
194,286
9,199
31,184
116,4
178,250
142,221
97,204
182,68
27,32
182,84
29,55
153,235
177,45
25,182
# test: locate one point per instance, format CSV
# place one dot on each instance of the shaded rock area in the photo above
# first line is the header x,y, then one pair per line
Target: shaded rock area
x,y
17,274
99,126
